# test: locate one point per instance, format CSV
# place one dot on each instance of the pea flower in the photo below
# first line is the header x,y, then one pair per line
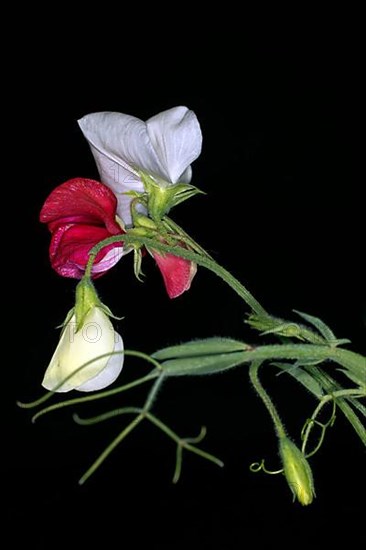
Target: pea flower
x,y
87,338
80,213
130,154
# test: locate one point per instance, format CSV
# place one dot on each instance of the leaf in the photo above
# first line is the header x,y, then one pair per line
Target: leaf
x,y
324,330
341,342
197,357
199,365
357,405
351,416
223,346
352,376
194,348
303,377
351,361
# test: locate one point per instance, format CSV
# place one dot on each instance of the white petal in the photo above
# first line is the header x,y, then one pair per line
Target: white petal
x,y
186,176
123,139
177,139
110,259
164,146
111,371
120,145
95,338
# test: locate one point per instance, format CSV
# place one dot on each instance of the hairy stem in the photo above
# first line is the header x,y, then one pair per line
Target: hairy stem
x,y
253,374
107,451
199,259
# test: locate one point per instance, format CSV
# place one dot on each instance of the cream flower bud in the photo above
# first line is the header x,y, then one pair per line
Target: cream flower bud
x,y
91,344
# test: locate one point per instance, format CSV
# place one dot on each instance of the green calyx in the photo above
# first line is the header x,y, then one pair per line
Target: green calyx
x,y
162,196
86,299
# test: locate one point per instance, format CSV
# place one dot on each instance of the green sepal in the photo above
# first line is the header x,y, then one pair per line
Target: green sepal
x,y
137,261
86,298
162,196
180,192
67,319
108,312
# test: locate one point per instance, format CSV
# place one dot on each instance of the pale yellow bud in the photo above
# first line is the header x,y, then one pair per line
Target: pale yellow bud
x,y
297,471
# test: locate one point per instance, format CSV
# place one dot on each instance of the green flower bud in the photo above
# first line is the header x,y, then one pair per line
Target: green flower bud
x,y
297,471
142,221
272,325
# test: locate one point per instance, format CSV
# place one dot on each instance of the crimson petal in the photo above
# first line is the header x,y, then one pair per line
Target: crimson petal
x,y
177,273
80,213
81,200
70,246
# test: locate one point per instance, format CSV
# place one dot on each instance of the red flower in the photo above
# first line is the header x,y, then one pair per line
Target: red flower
x,y
80,213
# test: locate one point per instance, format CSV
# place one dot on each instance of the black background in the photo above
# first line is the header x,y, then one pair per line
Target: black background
x,y
283,212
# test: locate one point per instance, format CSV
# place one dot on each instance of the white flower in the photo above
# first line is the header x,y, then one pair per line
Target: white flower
x,y
94,338
163,147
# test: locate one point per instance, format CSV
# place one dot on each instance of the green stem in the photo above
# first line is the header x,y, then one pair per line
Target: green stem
x,y
181,442
203,261
153,393
126,352
94,397
308,352
89,266
107,451
141,416
253,375
349,359
105,416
